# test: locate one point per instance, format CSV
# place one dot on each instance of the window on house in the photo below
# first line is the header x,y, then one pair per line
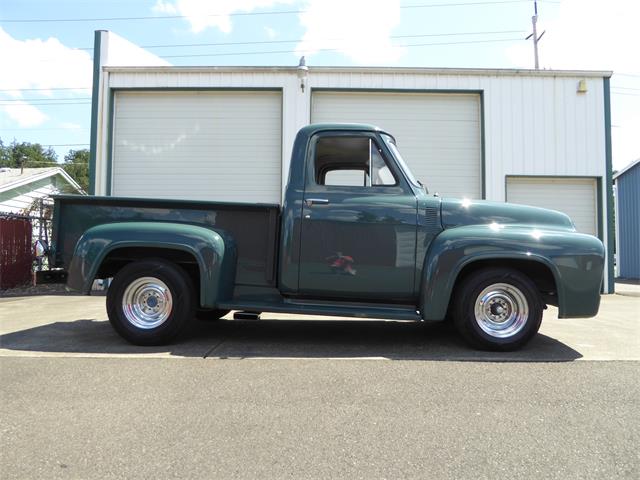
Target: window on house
x,y
351,161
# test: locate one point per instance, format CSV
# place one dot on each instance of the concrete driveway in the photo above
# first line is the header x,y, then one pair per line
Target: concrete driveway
x,y
78,326
285,397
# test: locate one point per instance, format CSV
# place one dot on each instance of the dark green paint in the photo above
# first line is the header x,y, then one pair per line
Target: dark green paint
x,y
609,180
575,261
483,147
111,114
97,43
599,208
215,257
408,247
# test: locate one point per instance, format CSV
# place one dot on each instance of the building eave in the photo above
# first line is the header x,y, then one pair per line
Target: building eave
x,y
509,72
40,176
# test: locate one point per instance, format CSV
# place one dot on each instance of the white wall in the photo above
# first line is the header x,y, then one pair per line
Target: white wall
x,y
22,198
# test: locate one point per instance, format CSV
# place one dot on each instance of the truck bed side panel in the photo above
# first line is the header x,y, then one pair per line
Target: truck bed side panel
x,y
254,228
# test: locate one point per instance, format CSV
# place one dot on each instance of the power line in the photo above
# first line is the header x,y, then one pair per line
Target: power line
x,y
43,89
29,129
334,49
228,54
44,104
265,42
65,145
43,99
625,88
243,14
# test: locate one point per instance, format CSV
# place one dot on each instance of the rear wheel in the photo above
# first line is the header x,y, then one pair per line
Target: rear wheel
x,y
497,309
149,302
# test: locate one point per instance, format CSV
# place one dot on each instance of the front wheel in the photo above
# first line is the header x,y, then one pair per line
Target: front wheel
x,y
497,309
149,302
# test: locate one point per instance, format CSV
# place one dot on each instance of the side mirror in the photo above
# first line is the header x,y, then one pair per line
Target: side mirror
x,y
40,248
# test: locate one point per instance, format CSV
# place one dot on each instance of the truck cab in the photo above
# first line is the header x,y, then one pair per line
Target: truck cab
x,y
357,235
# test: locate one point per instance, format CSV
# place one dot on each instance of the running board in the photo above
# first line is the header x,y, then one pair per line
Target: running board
x,y
335,309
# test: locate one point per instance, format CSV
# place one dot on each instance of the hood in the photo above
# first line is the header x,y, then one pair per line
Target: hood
x,y
456,212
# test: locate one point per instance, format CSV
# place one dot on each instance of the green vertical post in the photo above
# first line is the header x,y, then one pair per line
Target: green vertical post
x,y
609,182
94,110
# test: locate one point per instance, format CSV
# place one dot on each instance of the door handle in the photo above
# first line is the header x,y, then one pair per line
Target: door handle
x,y
316,201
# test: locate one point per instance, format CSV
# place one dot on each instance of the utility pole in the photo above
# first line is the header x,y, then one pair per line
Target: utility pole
x,y
536,38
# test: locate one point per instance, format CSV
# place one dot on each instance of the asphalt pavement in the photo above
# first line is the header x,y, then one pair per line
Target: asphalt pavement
x,y
294,397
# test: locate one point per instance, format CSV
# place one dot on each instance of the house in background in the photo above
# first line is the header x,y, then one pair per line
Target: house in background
x,y
20,189
627,190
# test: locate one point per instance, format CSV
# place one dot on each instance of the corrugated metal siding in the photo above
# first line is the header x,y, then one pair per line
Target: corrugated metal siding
x,y
438,135
198,145
533,125
577,197
628,223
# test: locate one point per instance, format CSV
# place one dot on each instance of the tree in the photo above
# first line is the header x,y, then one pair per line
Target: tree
x,y
28,155
5,155
76,164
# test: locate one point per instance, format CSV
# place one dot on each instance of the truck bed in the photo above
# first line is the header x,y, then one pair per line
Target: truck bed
x,y
254,227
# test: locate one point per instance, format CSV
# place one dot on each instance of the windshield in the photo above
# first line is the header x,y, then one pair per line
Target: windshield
x,y
388,139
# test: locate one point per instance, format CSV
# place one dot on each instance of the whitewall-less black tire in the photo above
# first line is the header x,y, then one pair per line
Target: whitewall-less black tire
x,y
497,309
149,302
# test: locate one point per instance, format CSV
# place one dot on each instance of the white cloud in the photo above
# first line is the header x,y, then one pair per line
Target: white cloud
x,y
24,114
595,35
360,29
202,14
42,64
71,126
585,34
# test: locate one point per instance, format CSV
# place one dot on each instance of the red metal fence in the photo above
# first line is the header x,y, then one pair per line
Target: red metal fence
x,y
16,257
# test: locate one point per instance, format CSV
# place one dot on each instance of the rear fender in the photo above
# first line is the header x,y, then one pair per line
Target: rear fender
x,y
213,251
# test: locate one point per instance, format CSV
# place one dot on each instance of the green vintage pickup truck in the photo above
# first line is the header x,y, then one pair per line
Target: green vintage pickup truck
x,y
357,235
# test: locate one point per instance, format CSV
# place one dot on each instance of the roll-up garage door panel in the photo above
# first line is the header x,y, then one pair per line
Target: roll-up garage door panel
x,y
574,196
438,134
198,145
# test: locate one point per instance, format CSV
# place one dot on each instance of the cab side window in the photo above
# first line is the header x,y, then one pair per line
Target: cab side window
x,y
351,161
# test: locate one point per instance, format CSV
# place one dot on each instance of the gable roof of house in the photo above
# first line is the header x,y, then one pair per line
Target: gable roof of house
x,y
627,168
11,178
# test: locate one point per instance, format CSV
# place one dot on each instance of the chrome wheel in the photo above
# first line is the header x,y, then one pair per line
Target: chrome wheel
x,y
501,310
147,302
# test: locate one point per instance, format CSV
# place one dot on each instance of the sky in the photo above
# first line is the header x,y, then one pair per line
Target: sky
x,y
46,65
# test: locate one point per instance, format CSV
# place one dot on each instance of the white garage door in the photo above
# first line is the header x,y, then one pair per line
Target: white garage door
x,y
198,145
437,134
576,197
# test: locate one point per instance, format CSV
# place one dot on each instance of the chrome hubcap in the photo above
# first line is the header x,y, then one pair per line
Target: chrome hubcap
x,y
501,310
147,302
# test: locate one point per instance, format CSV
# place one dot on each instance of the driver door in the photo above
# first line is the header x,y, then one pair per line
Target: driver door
x,y
358,238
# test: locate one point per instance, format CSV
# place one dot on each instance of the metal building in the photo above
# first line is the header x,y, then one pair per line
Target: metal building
x,y
627,195
225,133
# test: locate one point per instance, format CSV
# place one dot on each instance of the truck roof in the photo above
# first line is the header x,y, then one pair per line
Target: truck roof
x,y
318,127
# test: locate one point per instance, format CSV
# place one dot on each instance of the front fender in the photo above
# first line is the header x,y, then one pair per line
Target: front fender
x,y
575,260
213,251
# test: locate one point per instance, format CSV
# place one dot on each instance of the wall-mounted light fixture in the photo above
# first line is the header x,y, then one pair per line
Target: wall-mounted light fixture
x,y
303,73
582,86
